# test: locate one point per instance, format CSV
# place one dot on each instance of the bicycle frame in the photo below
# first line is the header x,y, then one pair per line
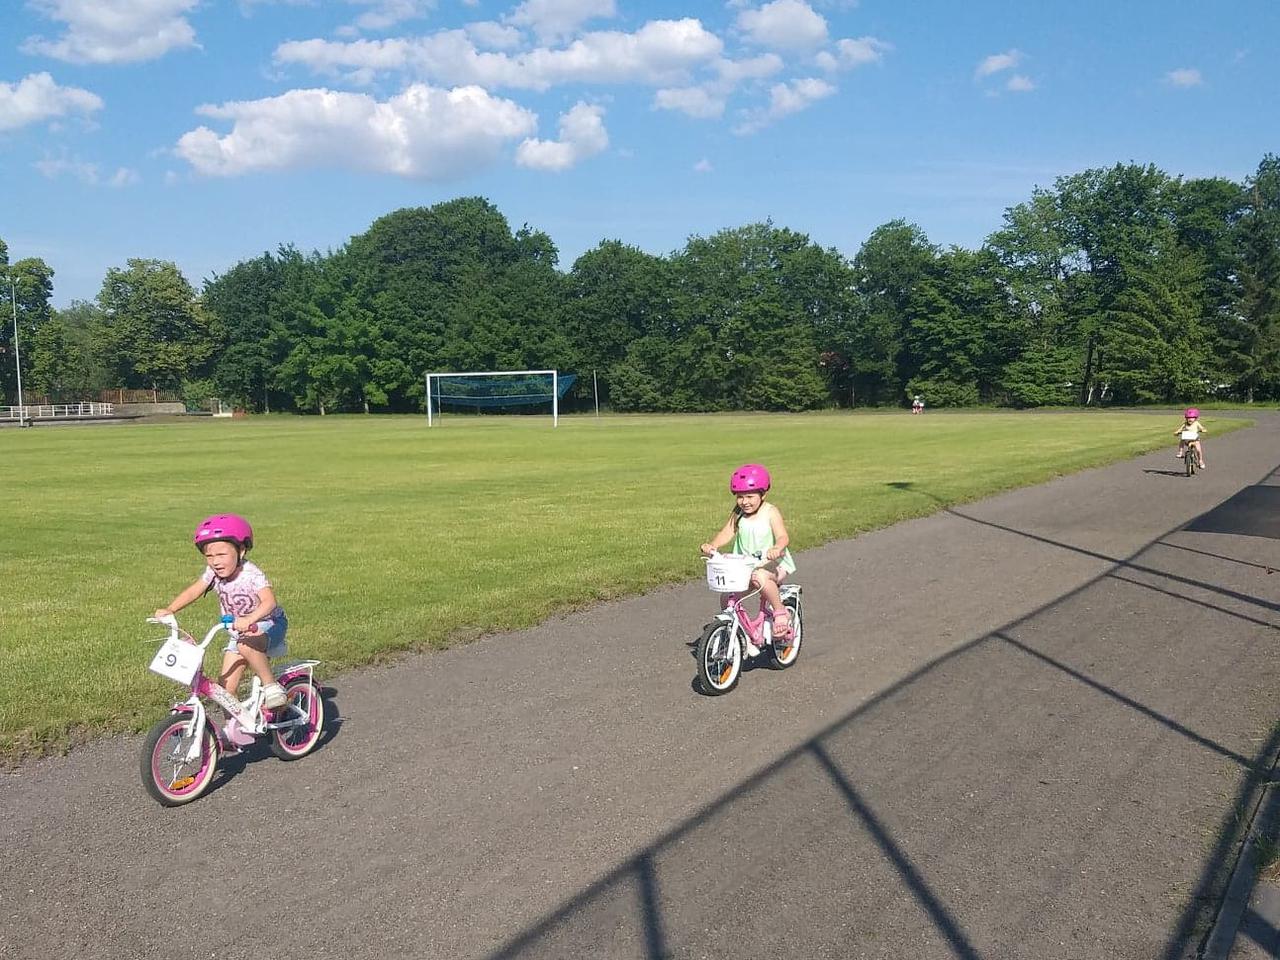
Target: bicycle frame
x,y
252,718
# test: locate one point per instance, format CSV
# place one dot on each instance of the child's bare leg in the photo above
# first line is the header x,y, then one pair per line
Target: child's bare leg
x,y
255,655
1199,451
233,667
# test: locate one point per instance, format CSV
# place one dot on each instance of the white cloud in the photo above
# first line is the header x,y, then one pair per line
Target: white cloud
x,y
1184,77
582,135
733,72
707,100
784,99
784,25
494,36
1019,83
854,53
86,173
660,53
556,19
387,13
423,132
697,102
37,97
703,166
997,62
114,31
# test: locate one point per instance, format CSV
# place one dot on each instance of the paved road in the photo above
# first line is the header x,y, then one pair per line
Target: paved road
x,y
1019,729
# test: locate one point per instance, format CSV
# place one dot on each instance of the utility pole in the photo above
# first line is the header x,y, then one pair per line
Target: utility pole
x,y
17,357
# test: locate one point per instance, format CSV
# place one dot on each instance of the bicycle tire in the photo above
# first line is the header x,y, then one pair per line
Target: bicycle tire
x,y
719,659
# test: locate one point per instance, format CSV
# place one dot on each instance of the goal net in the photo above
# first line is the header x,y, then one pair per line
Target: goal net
x,y
497,389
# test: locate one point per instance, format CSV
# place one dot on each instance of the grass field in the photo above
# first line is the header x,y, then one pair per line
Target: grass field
x,y
381,536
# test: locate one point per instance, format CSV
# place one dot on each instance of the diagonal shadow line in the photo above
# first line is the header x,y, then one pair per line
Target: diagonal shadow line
x,y
1257,621
1127,563
527,937
1260,930
1216,556
1248,800
1128,701
650,912
938,913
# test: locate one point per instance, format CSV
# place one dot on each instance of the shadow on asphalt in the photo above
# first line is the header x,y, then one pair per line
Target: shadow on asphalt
x,y
231,766
631,897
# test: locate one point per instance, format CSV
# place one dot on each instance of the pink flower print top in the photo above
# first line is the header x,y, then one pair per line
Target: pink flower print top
x,y
239,595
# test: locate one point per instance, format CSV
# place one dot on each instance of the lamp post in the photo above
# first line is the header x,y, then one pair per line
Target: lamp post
x,y
17,358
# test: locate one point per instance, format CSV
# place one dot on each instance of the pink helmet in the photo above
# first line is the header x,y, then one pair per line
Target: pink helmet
x,y
749,478
224,526
1192,413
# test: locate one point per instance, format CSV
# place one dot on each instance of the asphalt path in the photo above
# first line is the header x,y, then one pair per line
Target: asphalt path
x,y
1028,727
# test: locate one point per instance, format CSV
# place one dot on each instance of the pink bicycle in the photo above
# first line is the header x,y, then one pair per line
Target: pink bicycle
x,y
721,649
182,751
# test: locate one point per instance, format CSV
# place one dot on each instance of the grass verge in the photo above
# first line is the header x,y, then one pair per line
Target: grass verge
x,y
382,537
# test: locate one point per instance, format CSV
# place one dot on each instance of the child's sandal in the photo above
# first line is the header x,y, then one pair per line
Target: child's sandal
x,y
782,624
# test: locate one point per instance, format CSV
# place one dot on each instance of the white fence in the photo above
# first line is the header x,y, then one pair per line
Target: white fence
x,y
57,411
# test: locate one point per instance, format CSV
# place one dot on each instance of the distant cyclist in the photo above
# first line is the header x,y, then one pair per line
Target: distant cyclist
x,y
1189,435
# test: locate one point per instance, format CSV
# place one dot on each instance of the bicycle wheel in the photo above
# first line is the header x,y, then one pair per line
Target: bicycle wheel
x,y
1189,458
719,659
293,743
167,774
786,652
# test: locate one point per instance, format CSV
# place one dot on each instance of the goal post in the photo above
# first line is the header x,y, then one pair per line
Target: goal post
x,y
484,389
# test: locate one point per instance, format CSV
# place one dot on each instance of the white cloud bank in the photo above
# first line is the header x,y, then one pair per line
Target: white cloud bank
x,y
853,53
784,25
553,20
660,53
582,135
424,132
36,98
785,99
114,31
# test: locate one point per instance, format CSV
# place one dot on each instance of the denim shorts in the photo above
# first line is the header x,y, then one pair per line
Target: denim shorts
x,y
274,630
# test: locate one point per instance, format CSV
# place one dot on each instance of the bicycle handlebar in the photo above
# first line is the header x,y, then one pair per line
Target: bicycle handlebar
x,y
175,631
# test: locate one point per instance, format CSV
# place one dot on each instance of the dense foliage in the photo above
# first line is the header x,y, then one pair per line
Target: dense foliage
x,y
1120,285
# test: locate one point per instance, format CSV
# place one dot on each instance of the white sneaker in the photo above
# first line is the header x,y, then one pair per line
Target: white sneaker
x,y
273,696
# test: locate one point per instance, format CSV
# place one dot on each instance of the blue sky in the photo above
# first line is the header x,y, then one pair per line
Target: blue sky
x,y
207,131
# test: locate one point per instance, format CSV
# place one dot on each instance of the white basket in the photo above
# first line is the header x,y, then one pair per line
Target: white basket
x,y
730,572
178,661
1190,435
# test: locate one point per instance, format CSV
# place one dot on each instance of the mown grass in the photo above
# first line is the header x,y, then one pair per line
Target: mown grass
x,y
382,536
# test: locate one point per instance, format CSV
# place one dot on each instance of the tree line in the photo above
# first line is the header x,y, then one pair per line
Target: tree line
x,y
1123,285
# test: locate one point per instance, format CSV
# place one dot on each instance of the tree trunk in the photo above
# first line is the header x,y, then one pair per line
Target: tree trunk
x,y
322,408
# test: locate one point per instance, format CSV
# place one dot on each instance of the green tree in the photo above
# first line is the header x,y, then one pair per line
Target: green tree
x,y
156,334
893,260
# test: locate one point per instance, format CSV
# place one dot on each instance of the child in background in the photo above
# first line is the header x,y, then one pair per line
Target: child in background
x,y
756,527
1189,435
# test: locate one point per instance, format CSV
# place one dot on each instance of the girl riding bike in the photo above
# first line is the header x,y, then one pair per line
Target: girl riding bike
x,y
245,593
1189,435
756,527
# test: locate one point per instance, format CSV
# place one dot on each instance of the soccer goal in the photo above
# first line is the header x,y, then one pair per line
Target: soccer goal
x,y
494,389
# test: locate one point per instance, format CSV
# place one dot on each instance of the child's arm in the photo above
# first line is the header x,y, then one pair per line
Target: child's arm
x,y
266,605
189,595
720,539
780,536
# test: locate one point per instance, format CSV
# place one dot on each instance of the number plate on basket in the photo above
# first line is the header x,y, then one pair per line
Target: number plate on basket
x,y
178,661
1189,435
